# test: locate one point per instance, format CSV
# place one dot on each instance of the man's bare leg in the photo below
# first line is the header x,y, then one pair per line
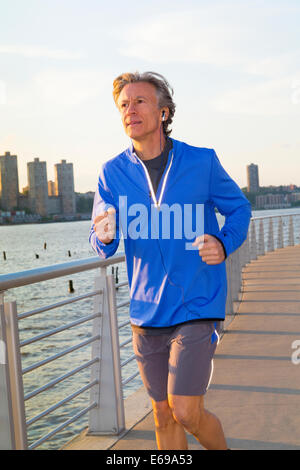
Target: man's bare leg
x,y
189,411
170,435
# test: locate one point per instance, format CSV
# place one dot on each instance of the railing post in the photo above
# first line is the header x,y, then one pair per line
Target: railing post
x,y
261,243
247,249
235,278
291,231
280,234
108,417
15,376
239,271
253,245
234,267
242,256
244,252
7,441
270,236
112,305
229,303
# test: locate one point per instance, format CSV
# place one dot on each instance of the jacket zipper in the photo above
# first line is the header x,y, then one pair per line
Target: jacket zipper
x,y
152,193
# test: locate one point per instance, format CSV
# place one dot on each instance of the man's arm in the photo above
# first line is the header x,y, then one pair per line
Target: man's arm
x,y
232,203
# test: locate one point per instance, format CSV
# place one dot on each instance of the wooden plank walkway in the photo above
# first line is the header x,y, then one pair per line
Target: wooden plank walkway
x,y
255,389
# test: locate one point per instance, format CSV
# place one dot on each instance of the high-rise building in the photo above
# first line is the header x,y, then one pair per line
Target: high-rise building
x,y
9,181
252,178
64,186
38,187
51,188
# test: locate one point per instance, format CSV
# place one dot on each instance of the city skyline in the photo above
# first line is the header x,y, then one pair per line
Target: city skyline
x,y
252,178
55,187
40,196
234,67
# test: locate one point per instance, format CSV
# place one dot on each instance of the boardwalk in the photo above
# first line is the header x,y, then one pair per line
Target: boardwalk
x,y
255,389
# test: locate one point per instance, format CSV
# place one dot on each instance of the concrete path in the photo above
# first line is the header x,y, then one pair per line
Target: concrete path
x,y
255,390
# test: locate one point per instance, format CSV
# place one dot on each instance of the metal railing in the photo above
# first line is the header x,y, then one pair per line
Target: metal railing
x,y
106,384
104,348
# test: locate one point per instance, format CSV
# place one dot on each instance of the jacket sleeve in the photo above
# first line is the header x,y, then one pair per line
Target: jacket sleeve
x,y
102,201
229,199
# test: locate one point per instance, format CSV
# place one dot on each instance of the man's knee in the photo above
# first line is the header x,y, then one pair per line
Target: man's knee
x,y
187,411
163,415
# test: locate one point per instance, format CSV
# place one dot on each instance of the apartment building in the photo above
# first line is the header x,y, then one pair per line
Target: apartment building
x,y
9,181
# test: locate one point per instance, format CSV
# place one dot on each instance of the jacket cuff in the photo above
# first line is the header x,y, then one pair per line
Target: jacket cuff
x,y
219,239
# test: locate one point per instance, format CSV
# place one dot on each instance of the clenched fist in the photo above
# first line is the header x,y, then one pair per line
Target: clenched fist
x,y
105,225
210,249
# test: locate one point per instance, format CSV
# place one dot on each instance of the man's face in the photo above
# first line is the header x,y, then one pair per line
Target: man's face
x,y
138,105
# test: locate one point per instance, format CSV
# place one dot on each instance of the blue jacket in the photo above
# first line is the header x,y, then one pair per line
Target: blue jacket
x,y
169,283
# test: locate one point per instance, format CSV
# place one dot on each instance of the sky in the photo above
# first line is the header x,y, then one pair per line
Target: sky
x,y
234,67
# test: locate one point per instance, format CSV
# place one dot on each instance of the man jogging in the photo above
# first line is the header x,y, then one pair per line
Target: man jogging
x,y
177,284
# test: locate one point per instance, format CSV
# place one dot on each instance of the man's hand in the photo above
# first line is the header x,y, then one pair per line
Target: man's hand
x,y
105,226
210,249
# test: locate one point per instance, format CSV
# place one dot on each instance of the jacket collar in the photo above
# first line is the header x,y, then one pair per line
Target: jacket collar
x,y
134,158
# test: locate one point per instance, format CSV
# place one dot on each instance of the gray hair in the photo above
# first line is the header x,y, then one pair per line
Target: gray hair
x,y
164,91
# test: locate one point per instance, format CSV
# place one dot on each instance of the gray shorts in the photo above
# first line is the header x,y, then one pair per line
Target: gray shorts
x,y
179,363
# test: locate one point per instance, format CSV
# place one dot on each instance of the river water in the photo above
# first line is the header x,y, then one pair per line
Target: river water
x,y
24,249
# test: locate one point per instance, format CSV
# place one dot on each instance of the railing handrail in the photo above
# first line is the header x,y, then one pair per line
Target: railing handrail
x,y
32,276
274,216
